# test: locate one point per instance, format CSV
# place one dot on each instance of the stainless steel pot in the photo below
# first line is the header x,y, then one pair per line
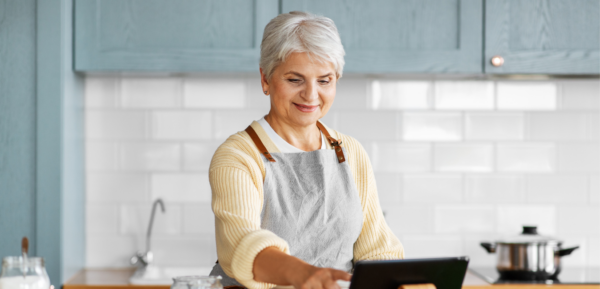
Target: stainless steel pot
x,y
528,256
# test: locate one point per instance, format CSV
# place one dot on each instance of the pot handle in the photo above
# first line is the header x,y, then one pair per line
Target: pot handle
x,y
488,247
565,252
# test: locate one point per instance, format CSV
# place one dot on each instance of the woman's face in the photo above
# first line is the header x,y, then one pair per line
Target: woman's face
x,y
301,90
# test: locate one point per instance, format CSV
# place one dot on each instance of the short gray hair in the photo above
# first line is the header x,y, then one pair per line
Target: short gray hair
x,y
301,32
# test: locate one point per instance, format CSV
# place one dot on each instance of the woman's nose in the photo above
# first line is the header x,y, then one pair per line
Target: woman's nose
x,y
311,92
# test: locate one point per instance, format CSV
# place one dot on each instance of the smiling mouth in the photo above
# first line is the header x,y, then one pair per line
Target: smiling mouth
x,y
306,108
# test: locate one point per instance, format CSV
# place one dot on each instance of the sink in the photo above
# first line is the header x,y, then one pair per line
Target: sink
x,y
157,275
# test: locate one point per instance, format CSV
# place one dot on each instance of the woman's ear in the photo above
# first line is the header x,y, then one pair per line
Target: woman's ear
x,y
264,82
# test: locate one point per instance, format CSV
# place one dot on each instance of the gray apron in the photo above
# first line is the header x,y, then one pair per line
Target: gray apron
x,y
310,201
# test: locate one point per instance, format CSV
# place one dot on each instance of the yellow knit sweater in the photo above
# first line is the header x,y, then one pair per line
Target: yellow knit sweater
x,y
236,177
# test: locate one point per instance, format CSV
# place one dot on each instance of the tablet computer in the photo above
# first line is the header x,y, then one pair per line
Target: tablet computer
x,y
444,273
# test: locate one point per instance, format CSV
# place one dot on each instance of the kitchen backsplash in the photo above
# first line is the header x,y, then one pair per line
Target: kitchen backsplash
x,y
456,161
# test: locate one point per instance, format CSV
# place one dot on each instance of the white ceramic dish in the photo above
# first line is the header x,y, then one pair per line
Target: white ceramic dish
x,y
154,275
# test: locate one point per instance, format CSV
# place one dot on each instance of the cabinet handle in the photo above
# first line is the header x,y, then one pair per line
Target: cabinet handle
x,y
497,61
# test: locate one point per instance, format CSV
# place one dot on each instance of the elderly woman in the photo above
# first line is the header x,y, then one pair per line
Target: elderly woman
x,y
295,201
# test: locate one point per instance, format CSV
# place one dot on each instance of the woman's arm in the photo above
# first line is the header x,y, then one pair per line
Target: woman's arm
x,y
273,266
237,205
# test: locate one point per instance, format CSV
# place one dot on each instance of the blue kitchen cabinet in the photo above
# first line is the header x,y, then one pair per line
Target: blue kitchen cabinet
x,y
405,36
170,36
380,36
542,36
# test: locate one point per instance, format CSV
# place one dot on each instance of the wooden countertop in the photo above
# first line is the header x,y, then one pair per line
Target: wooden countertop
x,y
119,279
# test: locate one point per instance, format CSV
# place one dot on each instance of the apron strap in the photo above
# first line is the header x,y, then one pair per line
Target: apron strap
x,y
334,142
261,147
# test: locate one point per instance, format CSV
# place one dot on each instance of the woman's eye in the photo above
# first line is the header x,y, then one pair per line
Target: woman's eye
x,y
324,81
294,80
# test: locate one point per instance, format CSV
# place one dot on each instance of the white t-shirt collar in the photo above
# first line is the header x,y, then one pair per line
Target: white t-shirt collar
x,y
280,143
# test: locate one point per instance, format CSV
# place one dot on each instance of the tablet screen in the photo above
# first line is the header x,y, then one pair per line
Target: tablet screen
x,y
444,273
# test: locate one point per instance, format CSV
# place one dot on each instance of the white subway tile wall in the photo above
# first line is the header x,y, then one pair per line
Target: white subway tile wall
x,y
214,93
400,95
102,219
177,187
133,220
558,126
366,126
580,95
494,126
388,188
463,157
594,126
432,126
150,156
400,157
429,187
432,245
456,162
228,122
106,124
595,189
593,251
409,219
464,95
181,125
464,218
561,189
510,218
579,157
110,250
494,189
163,92
522,95
526,157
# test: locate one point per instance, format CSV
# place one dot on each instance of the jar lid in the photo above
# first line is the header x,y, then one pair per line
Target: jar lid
x,y
19,260
529,236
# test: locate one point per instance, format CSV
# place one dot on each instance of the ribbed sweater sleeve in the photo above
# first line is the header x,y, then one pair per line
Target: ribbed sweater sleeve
x,y
236,181
376,241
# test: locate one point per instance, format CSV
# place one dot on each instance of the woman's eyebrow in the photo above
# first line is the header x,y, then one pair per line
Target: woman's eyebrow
x,y
295,73
300,75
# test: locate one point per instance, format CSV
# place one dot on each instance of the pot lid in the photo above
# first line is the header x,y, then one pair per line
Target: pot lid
x,y
529,235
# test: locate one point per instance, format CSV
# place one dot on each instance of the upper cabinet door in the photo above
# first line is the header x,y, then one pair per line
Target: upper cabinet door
x,y
170,36
406,36
543,36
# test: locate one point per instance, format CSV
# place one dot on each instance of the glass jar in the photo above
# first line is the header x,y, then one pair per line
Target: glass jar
x,y
196,282
19,273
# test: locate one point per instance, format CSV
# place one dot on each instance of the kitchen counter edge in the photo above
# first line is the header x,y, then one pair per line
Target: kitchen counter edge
x,y
119,279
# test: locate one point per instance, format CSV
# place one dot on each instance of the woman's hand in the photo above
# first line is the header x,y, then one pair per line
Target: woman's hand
x,y
273,266
312,277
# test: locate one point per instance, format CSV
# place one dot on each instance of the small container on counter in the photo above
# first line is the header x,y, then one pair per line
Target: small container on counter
x,y
24,273
196,282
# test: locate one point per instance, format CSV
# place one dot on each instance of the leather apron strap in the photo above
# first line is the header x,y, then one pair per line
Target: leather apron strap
x,y
334,142
261,147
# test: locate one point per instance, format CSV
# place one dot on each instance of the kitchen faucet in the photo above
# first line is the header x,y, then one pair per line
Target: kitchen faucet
x,y
146,258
